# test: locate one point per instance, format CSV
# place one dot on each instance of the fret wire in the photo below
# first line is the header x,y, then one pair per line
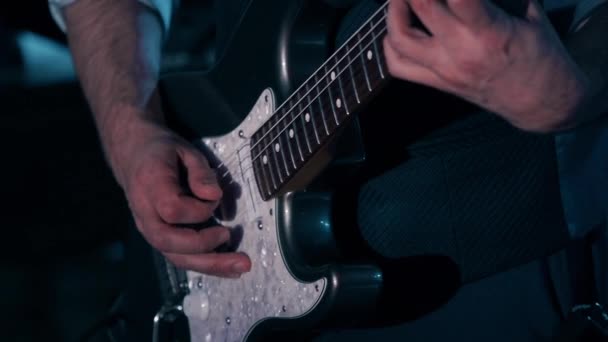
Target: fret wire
x,y
343,99
359,83
350,94
282,151
306,134
285,133
322,95
276,166
268,180
301,112
321,125
289,147
297,138
329,82
312,113
371,59
312,121
325,106
352,77
340,50
263,178
380,52
273,164
355,91
268,167
257,172
378,58
360,76
346,96
362,57
381,58
279,155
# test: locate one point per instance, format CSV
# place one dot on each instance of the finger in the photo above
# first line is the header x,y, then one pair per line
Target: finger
x,y
138,222
227,265
170,239
435,16
173,205
406,69
476,14
202,180
399,20
405,39
535,11
182,209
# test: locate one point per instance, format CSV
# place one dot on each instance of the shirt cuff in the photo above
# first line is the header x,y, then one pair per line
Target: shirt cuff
x,y
164,8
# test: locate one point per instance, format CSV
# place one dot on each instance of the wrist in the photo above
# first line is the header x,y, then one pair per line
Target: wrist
x,y
125,131
555,108
568,109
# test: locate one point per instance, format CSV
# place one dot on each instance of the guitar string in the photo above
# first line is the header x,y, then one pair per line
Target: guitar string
x,y
349,95
231,162
313,87
327,73
320,92
249,166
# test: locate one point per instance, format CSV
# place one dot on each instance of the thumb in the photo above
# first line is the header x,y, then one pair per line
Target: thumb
x,y
202,179
475,13
535,11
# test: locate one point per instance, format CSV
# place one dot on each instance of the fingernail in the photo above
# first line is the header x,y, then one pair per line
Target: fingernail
x,y
239,267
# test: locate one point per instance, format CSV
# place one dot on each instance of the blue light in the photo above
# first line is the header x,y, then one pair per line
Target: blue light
x,y
45,61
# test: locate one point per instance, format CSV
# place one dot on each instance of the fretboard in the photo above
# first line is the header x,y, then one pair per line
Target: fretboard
x,y
323,104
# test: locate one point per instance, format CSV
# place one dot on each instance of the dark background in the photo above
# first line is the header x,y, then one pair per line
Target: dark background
x,y
62,215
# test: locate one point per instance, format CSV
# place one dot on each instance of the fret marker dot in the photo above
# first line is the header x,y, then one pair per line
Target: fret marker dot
x,y
265,159
291,133
277,147
307,117
333,75
370,54
339,103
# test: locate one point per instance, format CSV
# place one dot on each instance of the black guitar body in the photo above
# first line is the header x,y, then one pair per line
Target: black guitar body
x,y
277,45
305,215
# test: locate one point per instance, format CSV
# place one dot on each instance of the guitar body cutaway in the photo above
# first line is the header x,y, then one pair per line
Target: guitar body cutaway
x,y
300,279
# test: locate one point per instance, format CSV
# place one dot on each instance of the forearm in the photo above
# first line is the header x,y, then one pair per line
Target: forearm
x,y
588,46
116,47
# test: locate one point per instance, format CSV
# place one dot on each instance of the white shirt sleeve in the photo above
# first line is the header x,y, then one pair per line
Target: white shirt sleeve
x,y
582,156
164,8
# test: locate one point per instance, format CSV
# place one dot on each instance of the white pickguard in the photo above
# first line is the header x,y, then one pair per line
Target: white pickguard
x,y
226,309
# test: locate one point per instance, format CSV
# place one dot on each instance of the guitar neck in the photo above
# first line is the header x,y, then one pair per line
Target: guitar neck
x,y
323,104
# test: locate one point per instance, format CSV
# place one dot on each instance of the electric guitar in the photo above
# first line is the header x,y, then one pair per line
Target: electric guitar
x,y
300,278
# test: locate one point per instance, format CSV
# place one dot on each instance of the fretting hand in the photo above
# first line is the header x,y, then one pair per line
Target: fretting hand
x,y
515,67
